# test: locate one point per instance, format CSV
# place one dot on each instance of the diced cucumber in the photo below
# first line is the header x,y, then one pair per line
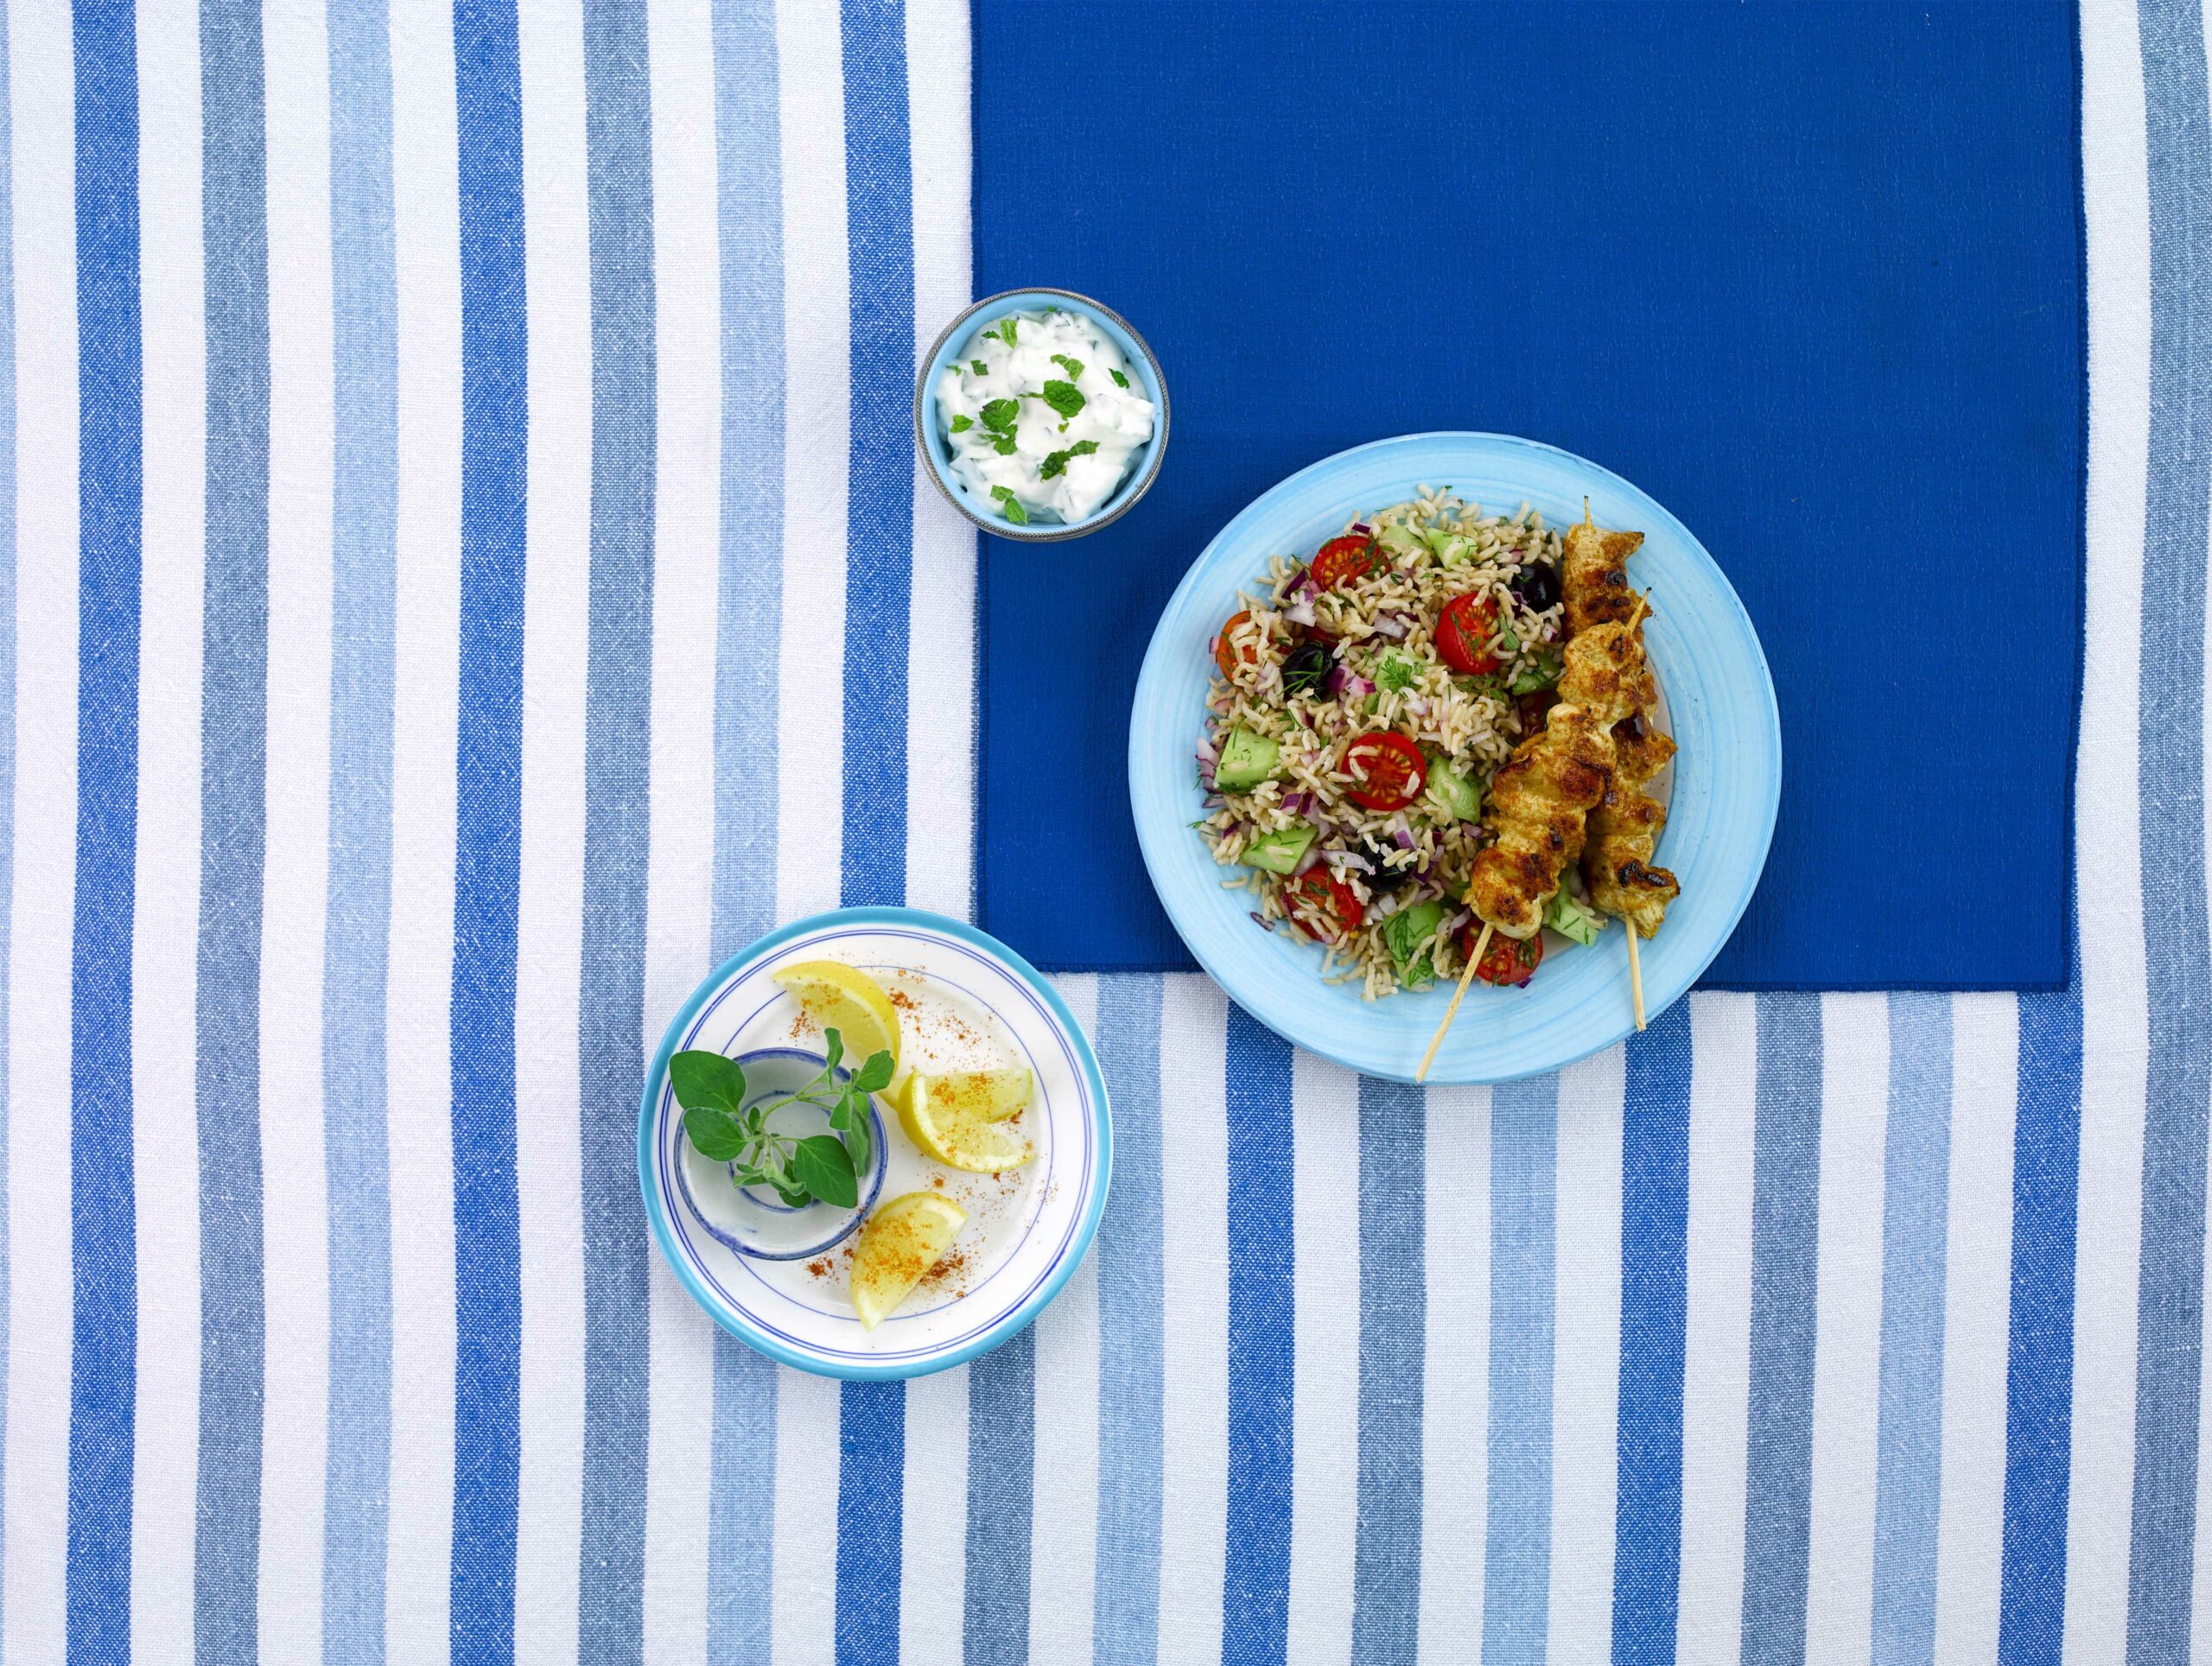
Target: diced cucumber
x,y
1446,546
1409,930
1247,759
1280,851
1569,917
1452,791
1397,539
1541,673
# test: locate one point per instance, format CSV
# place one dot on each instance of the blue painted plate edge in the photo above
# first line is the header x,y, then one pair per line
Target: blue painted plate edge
x,y
1261,988
1061,1271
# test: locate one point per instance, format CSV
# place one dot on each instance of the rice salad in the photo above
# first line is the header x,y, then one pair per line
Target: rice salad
x,y
1362,699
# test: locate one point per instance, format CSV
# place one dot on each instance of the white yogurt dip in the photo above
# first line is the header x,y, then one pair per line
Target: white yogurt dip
x,y
1042,415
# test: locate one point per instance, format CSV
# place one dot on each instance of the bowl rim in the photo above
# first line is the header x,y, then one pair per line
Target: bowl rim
x,y
1125,496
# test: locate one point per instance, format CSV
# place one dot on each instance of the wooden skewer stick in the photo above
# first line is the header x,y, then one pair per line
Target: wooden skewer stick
x,y
1467,975
1634,959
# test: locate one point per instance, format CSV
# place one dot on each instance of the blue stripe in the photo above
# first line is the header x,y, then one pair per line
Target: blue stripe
x,y
880,508
8,557
1131,1308
1915,1224
749,183
356,945
2170,739
748,148
1655,1319
1262,1344
1393,1319
1002,1500
879,571
104,1359
1785,1264
1517,1552
2039,1372
487,1291
233,828
618,743
741,1511
871,1499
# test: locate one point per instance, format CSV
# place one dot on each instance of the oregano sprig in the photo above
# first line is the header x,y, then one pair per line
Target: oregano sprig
x,y
723,1128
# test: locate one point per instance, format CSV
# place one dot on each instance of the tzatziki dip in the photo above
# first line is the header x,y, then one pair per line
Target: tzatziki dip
x,y
1042,415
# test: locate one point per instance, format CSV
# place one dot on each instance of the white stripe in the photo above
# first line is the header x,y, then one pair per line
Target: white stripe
x,y
42,97
549,902
1194,1482
1455,1393
427,237
679,875
941,677
2116,193
1586,1377
1325,1406
1064,1534
166,925
1977,1314
1716,1384
301,435
1848,1348
933,1559
678,1497
804,1622
811,732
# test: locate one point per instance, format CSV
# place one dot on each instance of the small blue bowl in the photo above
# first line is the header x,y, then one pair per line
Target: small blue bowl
x,y
1144,466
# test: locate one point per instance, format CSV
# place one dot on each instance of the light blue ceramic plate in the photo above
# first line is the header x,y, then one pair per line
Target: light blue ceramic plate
x,y
967,1002
1727,776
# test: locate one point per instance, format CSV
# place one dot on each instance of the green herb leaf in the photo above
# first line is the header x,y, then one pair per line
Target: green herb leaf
x,y
708,1079
1120,380
1005,331
1010,504
962,424
1063,397
791,1191
1005,446
874,1076
1056,463
824,1167
714,1133
832,1048
1074,365
979,367
854,1129
999,415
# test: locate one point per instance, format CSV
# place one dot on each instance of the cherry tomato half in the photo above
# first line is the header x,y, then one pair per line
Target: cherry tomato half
x,y
1508,961
1341,561
1322,903
1394,768
1225,655
1462,632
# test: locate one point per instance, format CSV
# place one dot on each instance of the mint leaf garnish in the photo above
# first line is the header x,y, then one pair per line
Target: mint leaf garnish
x,y
1003,445
962,424
1120,380
1063,397
1011,505
979,367
999,415
1074,365
1056,464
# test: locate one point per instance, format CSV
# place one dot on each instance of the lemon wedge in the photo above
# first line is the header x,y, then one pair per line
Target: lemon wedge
x,y
839,998
900,1244
956,1118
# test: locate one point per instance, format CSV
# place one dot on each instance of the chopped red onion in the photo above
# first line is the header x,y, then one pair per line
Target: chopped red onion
x,y
1390,624
1401,838
1312,857
1363,529
1208,753
1262,922
1417,705
1300,613
1347,859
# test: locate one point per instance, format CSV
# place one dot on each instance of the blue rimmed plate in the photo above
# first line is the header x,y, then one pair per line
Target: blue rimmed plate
x,y
967,1002
1727,776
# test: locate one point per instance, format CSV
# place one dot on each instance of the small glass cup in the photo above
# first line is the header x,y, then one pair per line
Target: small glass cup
x,y
753,1220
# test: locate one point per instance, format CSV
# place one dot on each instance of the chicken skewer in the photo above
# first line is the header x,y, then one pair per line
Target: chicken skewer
x,y
1606,653
1538,803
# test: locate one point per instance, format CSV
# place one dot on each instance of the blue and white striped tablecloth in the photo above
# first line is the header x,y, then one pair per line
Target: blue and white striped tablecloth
x,y
465,571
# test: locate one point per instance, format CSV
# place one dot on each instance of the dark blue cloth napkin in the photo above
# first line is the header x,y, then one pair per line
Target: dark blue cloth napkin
x,y
1810,275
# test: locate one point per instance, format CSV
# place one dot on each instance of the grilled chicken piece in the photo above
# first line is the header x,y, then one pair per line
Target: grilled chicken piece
x,y
1593,575
1623,832
1538,802
1606,673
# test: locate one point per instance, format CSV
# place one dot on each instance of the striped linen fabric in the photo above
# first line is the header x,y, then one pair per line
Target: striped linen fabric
x,y
466,570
